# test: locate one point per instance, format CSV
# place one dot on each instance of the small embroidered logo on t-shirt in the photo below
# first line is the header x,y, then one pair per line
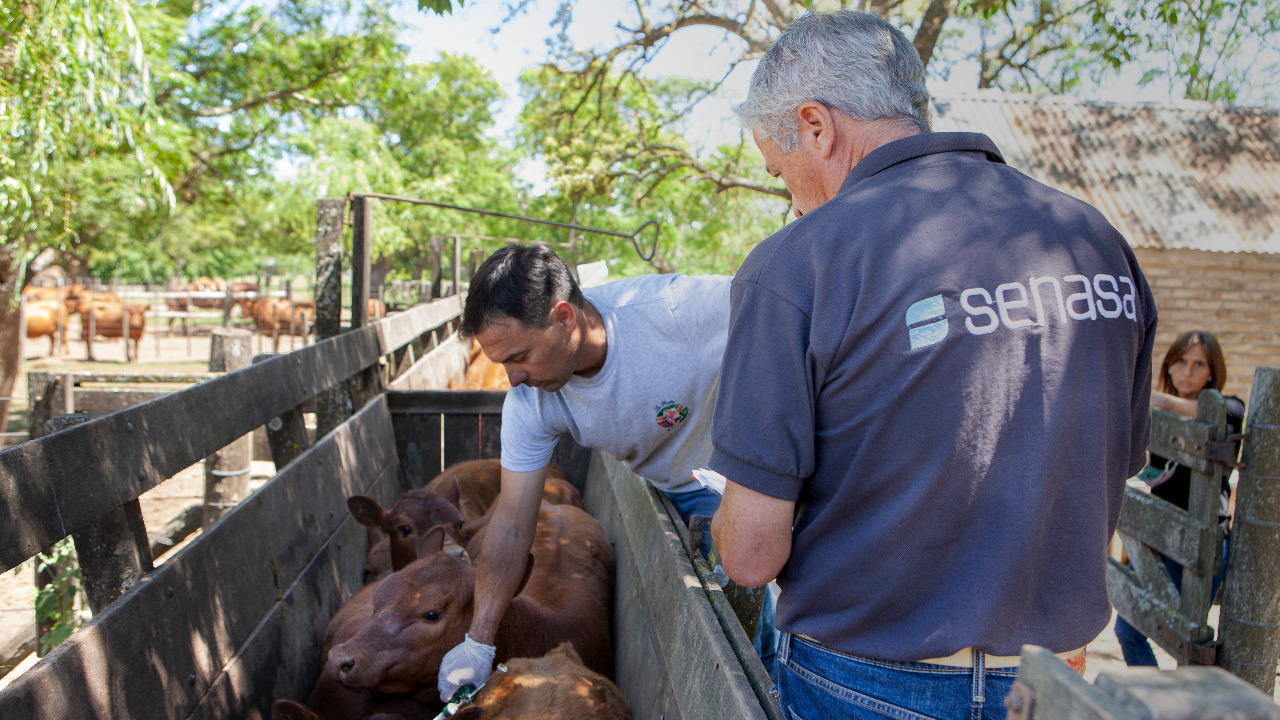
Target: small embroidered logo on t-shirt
x,y
671,414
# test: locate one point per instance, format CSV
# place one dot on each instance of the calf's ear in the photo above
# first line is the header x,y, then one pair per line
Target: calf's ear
x,y
365,510
290,710
452,492
431,542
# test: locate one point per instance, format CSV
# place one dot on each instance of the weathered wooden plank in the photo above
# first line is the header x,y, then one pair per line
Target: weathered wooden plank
x,y
1060,693
491,436
446,401
1188,693
158,650
461,438
574,459
706,677
125,378
1180,438
59,484
1156,619
640,670
446,361
397,331
1170,530
281,659
110,400
419,446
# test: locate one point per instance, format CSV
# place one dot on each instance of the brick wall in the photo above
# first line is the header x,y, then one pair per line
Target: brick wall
x,y
1235,296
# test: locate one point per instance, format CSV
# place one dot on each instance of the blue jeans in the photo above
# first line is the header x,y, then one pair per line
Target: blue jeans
x,y
705,502
817,683
1135,646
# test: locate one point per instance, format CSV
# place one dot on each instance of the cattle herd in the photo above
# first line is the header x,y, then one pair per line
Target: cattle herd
x,y
382,650
104,315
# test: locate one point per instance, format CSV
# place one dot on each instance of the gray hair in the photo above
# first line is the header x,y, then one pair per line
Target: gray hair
x,y
854,62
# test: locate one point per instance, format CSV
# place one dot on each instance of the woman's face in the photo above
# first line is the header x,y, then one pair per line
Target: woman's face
x,y
1190,373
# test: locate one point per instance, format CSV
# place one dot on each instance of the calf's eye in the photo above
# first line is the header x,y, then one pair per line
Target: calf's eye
x,y
405,530
432,616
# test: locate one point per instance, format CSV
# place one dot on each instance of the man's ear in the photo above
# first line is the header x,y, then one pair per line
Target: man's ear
x,y
564,313
815,123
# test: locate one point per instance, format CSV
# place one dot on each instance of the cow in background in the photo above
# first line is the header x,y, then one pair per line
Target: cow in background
x,y
280,316
47,317
482,373
105,315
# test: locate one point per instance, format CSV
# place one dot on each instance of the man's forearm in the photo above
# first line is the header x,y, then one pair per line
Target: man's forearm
x,y
502,561
505,553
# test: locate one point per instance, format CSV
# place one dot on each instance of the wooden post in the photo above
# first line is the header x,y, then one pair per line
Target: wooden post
x,y
226,472
22,330
1250,617
114,551
332,405
93,328
361,241
60,323
48,396
328,290
227,305
437,267
286,433
457,265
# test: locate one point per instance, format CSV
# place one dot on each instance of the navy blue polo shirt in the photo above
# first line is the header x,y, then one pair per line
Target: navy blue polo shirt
x,y
947,367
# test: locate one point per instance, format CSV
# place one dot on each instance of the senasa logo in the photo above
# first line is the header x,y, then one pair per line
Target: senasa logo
x,y
932,314
1014,305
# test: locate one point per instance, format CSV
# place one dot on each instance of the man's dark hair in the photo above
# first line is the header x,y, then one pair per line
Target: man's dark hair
x,y
519,282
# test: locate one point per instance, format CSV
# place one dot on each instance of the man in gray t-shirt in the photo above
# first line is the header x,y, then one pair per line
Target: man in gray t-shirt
x,y
631,367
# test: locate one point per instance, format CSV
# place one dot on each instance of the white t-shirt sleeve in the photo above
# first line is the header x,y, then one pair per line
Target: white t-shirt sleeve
x,y
529,434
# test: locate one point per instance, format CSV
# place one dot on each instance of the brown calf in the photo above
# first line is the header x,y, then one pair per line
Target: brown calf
x,y
330,699
473,485
417,614
556,686
402,527
482,373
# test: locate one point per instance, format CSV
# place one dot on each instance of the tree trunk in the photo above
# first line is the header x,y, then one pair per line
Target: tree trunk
x,y
9,341
935,16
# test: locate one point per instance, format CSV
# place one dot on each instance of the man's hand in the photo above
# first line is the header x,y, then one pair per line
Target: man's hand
x,y
468,662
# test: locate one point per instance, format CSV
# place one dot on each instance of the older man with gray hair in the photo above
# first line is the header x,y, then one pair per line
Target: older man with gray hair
x,y
936,382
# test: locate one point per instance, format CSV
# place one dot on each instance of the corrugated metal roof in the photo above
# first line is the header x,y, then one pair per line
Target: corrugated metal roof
x,y
1192,175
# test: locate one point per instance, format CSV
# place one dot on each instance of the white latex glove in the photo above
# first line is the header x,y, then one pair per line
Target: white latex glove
x,y
468,662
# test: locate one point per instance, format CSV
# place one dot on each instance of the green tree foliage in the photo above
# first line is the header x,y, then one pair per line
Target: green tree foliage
x,y
1206,47
616,160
